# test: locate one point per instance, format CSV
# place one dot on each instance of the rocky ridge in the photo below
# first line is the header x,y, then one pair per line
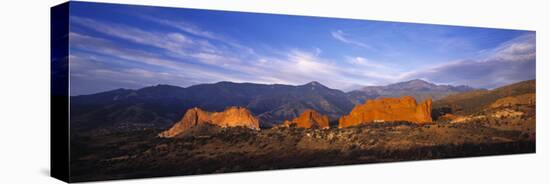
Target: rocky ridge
x,y
309,119
231,117
388,109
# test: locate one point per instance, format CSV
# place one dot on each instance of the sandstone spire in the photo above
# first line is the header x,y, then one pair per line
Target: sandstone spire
x,y
309,119
389,109
231,117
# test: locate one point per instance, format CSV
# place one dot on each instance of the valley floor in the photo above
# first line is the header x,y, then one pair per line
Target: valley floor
x,y
100,155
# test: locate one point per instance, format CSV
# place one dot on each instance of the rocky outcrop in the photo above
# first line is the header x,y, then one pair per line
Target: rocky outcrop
x,y
389,109
309,119
231,117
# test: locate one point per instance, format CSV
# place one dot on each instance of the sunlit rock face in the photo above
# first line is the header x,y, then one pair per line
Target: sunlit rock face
x,y
231,117
389,109
309,119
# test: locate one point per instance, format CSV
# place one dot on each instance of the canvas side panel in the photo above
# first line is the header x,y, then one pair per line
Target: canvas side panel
x,y
59,92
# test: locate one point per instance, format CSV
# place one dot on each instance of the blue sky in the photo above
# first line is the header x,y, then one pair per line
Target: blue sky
x,y
122,46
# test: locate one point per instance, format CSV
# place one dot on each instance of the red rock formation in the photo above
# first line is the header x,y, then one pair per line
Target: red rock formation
x,y
389,109
309,119
231,117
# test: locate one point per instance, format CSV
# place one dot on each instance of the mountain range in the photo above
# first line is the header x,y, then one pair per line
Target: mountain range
x,y
419,89
161,105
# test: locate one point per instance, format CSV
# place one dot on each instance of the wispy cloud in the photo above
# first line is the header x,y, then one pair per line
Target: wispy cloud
x,y
343,37
299,67
195,30
90,74
291,66
510,62
520,49
188,54
186,27
364,62
110,53
174,44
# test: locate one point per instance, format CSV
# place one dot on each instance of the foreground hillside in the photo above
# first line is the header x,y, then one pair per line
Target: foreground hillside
x,y
211,149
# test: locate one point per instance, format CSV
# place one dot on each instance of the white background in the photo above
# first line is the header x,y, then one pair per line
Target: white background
x,y
24,91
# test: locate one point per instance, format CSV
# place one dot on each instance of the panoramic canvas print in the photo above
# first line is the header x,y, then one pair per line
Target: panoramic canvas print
x,y
157,91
